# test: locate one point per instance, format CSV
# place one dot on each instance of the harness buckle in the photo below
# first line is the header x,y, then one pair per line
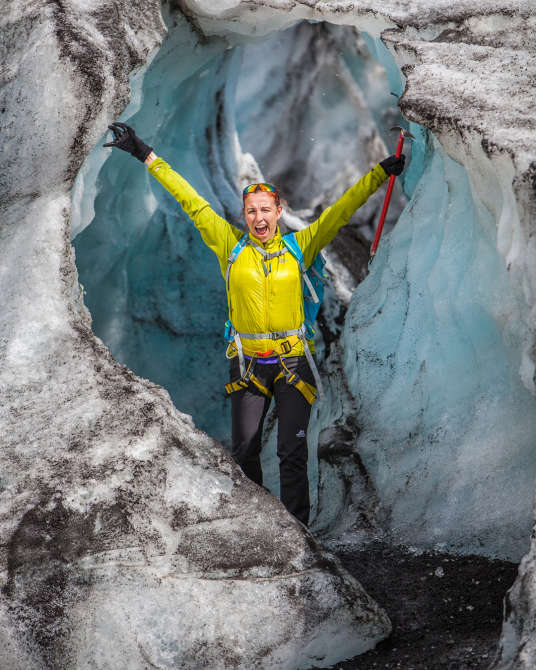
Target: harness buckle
x,y
249,371
286,347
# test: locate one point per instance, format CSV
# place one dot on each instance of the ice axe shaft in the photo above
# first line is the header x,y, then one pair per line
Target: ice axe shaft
x,y
403,134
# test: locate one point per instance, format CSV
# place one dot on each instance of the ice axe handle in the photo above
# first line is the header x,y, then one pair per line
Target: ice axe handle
x,y
387,200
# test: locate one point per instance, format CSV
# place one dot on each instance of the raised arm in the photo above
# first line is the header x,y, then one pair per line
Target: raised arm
x,y
322,231
216,232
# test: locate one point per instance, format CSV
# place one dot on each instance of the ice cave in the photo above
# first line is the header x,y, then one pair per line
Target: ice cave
x,y
130,539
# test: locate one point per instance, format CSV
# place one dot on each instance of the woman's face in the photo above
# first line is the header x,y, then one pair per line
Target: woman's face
x,y
262,215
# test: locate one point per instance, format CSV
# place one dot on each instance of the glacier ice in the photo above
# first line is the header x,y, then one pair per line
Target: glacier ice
x,y
447,427
472,325
117,514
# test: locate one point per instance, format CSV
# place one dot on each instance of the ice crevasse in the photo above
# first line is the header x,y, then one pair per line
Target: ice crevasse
x,y
437,344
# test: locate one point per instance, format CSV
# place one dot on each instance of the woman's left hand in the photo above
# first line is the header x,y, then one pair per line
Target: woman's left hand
x,y
393,165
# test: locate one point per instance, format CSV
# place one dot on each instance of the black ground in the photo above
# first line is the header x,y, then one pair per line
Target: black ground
x,y
446,610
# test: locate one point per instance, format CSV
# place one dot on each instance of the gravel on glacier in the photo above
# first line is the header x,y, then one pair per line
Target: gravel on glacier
x,y
446,610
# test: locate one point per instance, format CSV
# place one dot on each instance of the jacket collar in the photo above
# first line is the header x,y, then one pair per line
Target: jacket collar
x,y
272,244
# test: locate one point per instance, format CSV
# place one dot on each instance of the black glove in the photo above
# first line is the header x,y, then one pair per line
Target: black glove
x,y
126,139
393,165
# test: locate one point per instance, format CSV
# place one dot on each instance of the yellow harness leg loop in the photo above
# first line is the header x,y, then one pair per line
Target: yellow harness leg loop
x,y
244,382
260,386
236,386
307,390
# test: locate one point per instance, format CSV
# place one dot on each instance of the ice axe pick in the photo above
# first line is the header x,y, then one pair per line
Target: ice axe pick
x,y
403,135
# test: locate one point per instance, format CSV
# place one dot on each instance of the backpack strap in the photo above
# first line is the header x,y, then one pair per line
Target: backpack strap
x,y
290,242
312,365
234,255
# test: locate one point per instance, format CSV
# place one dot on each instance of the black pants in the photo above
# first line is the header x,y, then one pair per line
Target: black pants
x,y
249,408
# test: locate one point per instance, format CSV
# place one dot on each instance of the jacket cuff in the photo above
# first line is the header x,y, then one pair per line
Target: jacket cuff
x,y
156,165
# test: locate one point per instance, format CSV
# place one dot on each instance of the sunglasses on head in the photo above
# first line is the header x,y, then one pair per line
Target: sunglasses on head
x,y
253,188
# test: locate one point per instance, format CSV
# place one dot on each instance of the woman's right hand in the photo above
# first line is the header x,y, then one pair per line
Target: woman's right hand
x,y
126,139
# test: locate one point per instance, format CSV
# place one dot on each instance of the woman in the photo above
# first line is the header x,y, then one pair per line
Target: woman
x,y
268,348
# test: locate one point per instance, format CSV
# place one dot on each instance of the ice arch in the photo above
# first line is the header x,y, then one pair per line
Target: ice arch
x,y
154,291
63,417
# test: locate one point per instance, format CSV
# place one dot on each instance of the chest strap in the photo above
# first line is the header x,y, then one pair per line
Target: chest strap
x,y
266,256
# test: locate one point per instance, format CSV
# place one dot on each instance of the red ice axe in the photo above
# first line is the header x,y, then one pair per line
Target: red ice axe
x,y
403,134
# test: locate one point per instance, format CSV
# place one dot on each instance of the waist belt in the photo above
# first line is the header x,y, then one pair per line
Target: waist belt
x,y
301,333
269,360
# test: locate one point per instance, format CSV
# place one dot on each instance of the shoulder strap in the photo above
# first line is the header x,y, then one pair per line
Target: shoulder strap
x,y
289,240
234,255
292,245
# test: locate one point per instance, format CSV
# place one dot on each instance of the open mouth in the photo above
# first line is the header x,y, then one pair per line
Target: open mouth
x,y
261,228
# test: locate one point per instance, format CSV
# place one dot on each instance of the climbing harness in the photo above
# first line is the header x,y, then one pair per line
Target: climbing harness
x,y
308,391
249,376
312,291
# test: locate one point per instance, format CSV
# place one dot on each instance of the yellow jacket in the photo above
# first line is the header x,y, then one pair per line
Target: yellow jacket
x,y
259,303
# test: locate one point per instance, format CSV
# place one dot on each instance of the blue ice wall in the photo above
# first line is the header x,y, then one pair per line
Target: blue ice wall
x,y
447,428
